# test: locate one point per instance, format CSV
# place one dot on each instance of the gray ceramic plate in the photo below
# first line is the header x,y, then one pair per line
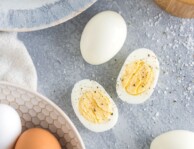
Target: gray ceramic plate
x,y
38,111
29,15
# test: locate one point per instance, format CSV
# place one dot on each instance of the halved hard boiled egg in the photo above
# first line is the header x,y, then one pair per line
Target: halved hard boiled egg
x,y
138,76
93,106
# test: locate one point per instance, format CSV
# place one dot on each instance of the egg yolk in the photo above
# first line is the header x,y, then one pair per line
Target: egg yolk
x,y
137,78
95,107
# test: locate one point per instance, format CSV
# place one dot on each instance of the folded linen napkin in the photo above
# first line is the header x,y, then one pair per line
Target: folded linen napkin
x,y
16,65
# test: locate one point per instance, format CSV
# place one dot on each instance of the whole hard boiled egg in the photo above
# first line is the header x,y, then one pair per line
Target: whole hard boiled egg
x,y
138,76
177,139
103,36
10,126
93,106
37,138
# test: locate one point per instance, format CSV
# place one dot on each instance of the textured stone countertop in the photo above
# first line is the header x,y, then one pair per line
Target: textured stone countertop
x,y
56,55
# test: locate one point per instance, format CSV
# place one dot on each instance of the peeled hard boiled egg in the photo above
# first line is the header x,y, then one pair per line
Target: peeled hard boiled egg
x,y
177,139
93,106
103,36
10,126
37,138
138,76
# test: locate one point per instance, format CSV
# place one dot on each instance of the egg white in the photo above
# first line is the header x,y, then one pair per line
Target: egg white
x,y
89,85
139,54
103,37
177,139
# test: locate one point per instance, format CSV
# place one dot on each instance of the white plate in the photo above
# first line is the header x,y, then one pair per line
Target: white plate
x,y
29,15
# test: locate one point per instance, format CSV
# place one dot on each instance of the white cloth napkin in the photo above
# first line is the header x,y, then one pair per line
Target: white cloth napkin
x,y
16,65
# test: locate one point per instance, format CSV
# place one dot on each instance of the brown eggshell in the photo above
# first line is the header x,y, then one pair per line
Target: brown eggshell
x,y
37,138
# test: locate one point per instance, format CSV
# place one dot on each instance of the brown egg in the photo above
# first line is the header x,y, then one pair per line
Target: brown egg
x,y
37,138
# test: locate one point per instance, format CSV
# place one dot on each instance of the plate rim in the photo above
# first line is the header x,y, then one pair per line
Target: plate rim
x,y
51,103
51,24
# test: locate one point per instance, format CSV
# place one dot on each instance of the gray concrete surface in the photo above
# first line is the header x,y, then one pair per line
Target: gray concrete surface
x,y
56,54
